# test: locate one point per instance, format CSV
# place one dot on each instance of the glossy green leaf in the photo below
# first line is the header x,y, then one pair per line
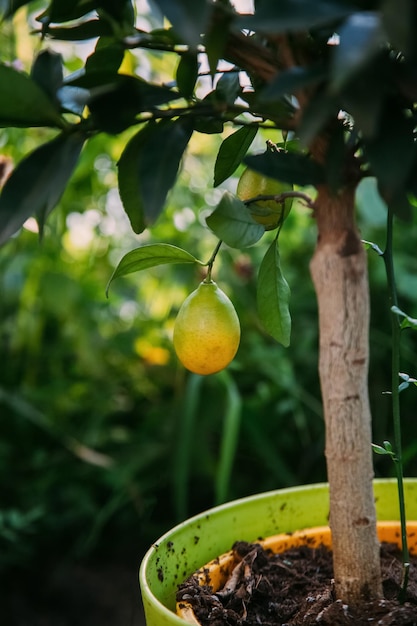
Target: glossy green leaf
x,y
188,17
361,38
232,223
148,168
38,182
290,167
273,295
150,256
24,103
232,152
380,450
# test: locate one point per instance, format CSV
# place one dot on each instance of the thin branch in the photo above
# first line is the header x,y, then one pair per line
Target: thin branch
x,y
283,196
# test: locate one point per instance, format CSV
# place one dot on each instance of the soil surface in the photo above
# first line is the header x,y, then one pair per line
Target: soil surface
x,y
295,588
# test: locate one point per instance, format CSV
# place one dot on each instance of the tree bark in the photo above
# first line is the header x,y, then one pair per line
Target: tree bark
x,y
339,273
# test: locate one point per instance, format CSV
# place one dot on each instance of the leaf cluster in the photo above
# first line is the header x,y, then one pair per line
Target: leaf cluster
x,y
336,78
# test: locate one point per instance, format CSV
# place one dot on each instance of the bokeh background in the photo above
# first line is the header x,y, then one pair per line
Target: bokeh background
x,y
105,440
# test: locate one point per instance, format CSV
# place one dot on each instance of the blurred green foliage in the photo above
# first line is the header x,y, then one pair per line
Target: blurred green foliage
x,y
94,407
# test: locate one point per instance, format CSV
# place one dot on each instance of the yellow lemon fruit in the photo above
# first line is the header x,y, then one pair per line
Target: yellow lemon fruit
x,y
266,212
207,330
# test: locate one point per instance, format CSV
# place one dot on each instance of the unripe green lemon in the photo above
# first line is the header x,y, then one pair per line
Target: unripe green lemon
x,y
266,212
207,330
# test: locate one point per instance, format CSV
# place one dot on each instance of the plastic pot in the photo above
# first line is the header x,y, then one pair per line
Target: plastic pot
x,y
202,538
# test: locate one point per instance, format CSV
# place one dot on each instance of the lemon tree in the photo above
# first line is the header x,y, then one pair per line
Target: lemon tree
x,y
270,213
207,330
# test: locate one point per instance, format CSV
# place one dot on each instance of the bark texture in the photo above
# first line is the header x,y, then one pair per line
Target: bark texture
x,y
339,273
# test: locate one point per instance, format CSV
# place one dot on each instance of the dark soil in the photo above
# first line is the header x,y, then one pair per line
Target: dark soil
x,y
295,588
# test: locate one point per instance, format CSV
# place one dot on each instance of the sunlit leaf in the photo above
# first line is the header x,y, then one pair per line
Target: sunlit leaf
x,y
232,223
232,151
38,182
148,168
24,103
150,256
273,295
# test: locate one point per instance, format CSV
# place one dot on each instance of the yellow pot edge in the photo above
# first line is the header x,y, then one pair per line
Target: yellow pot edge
x,y
215,573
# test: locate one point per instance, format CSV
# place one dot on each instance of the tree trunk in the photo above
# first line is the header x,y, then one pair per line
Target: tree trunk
x,y
339,273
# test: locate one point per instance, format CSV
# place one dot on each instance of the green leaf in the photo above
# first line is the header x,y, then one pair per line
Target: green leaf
x,y
187,74
398,21
290,81
80,32
408,322
380,450
371,206
319,110
392,151
23,103
232,223
38,182
66,10
295,15
188,17
47,73
290,167
232,151
150,256
148,168
228,87
217,33
361,38
115,105
273,295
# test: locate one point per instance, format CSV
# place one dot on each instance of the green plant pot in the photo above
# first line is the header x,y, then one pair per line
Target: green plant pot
x,y
188,546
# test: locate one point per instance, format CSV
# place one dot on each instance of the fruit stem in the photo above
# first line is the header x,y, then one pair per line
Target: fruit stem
x,y
211,262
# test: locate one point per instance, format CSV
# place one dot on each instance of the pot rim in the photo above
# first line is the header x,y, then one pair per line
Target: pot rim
x,y
158,593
